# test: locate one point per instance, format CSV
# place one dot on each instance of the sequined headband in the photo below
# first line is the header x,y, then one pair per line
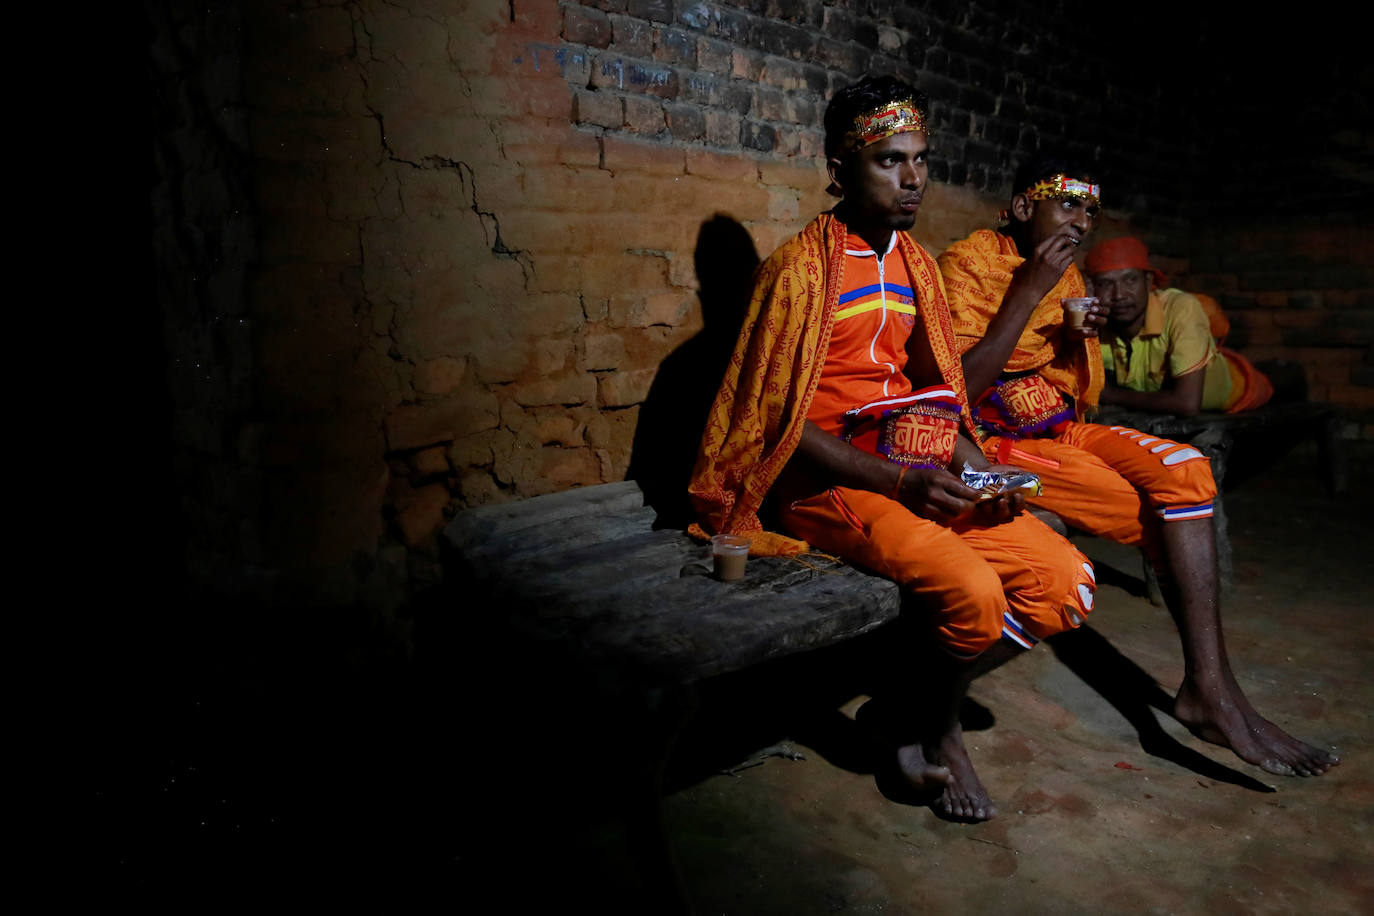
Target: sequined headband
x,y
1061,186
883,122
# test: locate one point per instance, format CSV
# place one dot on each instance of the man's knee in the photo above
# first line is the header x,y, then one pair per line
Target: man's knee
x,y
1192,483
1066,596
1171,473
969,615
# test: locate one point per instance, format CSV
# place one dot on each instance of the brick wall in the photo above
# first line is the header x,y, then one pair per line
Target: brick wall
x,y
478,229
1300,291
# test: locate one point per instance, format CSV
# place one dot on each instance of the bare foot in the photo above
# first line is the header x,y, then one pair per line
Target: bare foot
x,y
1230,721
923,776
964,797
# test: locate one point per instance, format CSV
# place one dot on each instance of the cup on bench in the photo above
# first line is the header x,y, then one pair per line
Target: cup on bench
x,y
729,553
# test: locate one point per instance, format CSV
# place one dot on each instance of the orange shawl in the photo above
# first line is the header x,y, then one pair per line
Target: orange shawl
x,y
977,272
760,411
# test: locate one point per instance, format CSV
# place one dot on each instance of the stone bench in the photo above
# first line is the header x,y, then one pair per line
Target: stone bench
x,y
586,569
585,573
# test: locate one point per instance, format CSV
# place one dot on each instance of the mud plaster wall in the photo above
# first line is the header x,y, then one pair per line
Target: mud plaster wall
x,y
419,256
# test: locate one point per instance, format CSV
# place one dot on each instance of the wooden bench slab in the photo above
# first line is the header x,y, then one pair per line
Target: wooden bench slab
x,y
585,568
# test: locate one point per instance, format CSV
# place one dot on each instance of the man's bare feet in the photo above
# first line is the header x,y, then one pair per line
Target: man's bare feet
x,y
923,776
1229,720
964,797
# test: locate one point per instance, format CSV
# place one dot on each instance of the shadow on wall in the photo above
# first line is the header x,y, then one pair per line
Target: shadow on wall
x,y
674,413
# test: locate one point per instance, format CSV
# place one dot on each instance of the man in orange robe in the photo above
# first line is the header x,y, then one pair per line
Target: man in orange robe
x,y
1032,377
844,402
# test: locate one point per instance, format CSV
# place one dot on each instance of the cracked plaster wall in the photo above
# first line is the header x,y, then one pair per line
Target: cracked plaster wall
x,y
461,295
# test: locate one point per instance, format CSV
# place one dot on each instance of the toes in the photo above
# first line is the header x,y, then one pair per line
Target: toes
x,y
1277,767
1318,762
964,808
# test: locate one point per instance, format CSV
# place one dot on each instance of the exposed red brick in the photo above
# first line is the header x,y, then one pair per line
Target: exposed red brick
x,y
746,65
538,19
722,128
644,115
713,56
686,122
586,26
603,109
632,37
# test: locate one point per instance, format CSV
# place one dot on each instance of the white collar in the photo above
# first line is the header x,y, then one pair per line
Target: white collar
x,y
870,253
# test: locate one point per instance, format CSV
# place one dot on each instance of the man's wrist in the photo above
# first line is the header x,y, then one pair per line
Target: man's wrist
x,y
897,487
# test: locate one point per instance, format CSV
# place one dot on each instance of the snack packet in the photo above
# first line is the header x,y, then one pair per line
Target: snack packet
x,y
990,483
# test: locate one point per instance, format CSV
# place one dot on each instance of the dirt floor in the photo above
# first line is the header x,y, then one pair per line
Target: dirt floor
x,y
1107,805
474,776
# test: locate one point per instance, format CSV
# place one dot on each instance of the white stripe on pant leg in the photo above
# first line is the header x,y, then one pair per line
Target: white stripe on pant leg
x,y
1183,454
1009,623
1009,633
1179,513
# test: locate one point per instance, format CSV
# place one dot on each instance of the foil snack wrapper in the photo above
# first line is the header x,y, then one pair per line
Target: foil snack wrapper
x,y
990,483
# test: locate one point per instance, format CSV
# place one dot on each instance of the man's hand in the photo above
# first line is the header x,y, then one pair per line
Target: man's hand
x,y
935,494
1093,323
999,509
1003,507
1038,274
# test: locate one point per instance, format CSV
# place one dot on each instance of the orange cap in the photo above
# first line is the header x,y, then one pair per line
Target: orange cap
x,y
1125,253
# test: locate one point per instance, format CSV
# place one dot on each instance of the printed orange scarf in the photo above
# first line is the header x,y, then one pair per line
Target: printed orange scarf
x,y
760,410
977,272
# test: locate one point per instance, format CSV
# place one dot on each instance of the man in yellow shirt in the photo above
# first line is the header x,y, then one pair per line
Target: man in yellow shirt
x,y
1158,343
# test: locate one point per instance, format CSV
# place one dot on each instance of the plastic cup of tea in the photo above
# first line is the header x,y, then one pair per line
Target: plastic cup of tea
x,y
1076,310
729,553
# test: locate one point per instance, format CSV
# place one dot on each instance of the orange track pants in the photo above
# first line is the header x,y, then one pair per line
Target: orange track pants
x,y
1019,580
1113,481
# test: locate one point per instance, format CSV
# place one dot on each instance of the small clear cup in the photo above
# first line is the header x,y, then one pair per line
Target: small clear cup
x,y
1076,310
729,553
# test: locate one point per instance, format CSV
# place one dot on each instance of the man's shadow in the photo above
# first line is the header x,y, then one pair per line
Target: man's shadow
x,y
1135,694
674,414
798,698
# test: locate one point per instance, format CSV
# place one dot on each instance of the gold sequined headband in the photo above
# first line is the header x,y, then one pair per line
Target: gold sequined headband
x,y
885,121
1061,186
